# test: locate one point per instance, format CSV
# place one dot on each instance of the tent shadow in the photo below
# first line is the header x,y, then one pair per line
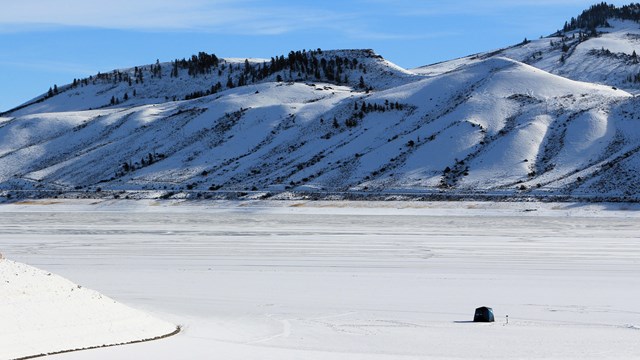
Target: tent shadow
x,y
464,322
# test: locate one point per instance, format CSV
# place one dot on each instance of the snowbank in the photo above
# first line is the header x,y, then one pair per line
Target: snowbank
x,y
43,313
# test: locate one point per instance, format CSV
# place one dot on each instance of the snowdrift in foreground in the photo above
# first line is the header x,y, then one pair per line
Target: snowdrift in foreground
x,y
43,313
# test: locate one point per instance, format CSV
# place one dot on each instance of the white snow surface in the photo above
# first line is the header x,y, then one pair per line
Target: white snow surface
x,y
44,313
350,280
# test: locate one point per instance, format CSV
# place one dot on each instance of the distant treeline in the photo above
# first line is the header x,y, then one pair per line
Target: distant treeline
x,y
598,16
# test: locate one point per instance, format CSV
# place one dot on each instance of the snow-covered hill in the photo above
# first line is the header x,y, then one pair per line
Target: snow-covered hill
x,y
550,117
205,74
43,313
610,58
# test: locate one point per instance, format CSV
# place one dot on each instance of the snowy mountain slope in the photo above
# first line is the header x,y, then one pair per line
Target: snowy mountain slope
x,y
44,313
554,116
492,126
604,59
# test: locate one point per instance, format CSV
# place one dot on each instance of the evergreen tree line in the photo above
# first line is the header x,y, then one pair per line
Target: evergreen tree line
x,y
199,64
363,108
629,59
300,65
597,16
633,78
371,107
129,166
116,76
116,100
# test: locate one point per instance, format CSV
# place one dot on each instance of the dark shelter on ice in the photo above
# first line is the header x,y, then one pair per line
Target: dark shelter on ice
x,y
483,314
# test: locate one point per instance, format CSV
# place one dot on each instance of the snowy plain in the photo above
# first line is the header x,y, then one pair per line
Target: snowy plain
x,y
349,280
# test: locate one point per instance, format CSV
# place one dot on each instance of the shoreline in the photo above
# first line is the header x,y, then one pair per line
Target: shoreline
x,y
320,207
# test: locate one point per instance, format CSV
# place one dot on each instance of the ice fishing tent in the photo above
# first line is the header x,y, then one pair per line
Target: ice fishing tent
x,y
483,314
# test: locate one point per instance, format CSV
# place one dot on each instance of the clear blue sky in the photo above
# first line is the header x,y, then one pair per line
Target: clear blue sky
x,y
46,42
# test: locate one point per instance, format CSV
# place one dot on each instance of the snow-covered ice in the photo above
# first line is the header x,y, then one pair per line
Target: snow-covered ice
x,y
322,280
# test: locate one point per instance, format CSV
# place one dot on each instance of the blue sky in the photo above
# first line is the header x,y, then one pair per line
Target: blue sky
x,y
45,42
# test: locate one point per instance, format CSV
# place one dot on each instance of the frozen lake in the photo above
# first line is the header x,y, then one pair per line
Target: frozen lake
x,y
350,282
